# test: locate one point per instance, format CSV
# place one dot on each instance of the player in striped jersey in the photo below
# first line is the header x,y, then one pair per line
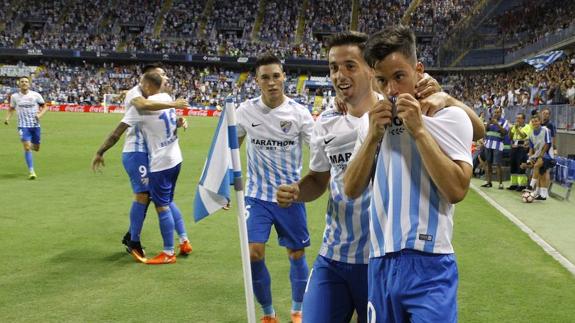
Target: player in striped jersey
x,y
275,128
541,155
135,158
30,107
422,167
497,129
158,127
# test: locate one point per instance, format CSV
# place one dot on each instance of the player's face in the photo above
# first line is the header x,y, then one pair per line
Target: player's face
x,y
536,123
520,119
24,84
397,74
545,115
270,78
349,73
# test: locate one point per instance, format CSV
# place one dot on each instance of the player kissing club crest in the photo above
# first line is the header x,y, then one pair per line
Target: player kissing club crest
x,y
285,125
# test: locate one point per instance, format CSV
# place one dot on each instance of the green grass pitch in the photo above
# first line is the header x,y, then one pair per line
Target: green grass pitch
x,y
62,260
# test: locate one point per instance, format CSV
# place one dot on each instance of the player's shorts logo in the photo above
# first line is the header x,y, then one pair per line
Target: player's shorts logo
x,y
286,126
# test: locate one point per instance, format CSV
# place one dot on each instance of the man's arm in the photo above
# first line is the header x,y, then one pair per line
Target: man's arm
x,y
451,177
142,103
309,188
9,114
42,111
437,101
358,173
111,140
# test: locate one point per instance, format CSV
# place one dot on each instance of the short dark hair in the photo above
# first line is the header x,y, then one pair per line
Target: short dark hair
x,y
392,39
25,77
347,38
267,59
154,78
150,67
521,114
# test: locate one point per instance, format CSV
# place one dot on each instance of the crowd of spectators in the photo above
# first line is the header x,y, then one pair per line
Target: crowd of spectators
x,y
521,86
183,20
534,20
87,83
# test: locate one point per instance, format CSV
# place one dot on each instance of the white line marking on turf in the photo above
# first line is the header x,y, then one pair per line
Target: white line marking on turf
x,y
534,236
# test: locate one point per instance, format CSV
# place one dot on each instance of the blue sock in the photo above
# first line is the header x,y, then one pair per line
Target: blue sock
x,y
298,278
29,161
137,216
178,221
167,228
261,281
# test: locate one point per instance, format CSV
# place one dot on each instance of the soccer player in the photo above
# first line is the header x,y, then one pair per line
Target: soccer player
x,y
419,167
31,107
275,127
497,130
541,155
135,159
338,281
158,129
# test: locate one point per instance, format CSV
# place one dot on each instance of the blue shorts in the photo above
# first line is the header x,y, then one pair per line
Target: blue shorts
x,y
493,156
413,286
334,290
30,134
136,165
290,223
163,185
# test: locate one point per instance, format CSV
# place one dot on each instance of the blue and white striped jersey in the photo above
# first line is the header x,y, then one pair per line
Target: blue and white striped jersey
x,y
27,106
407,209
274,140
134,141
346,235
493,138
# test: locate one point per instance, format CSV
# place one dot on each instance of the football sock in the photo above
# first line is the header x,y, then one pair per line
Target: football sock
x,y
29,161
167,229
544,192
533,183
137,216
179,222
298,278
262,286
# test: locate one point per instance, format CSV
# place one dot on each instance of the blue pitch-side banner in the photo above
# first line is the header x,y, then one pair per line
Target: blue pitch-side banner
x,y
540,62
176,58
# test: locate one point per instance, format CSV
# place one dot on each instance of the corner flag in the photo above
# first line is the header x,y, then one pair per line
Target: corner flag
x,y
540,62
222,169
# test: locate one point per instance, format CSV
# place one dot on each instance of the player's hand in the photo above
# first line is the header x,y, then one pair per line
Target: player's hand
x,y
426,87
181,103
380,116
433,103
409,111
182,123
287,194
340,106
98,163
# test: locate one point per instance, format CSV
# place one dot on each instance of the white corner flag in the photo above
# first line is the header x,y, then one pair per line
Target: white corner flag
x,y
222,169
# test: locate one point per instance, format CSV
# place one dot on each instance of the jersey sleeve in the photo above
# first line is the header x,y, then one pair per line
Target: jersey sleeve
x,y
307,126
12,101
318,160
39,99
240,112
451,129
131,116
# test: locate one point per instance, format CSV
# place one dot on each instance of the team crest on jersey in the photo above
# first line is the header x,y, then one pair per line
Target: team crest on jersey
x,y
286,126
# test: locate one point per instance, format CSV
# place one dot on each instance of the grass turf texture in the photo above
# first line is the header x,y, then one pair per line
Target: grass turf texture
x,y
63,261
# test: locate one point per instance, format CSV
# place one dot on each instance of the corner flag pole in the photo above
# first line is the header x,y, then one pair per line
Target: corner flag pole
x,y
239,188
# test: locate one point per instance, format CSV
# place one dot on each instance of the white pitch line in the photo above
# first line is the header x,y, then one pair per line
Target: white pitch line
x,y
534,236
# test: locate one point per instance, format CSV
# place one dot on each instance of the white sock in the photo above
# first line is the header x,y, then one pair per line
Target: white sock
x,y
183,239
533,183
536,192
169,252
544,192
